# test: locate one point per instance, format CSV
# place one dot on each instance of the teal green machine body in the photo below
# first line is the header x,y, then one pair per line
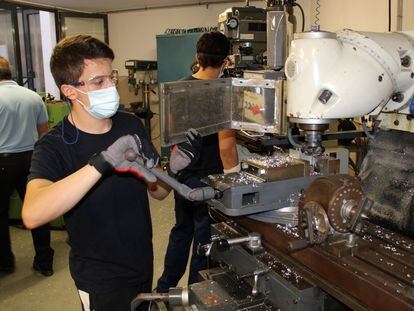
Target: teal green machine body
x,y
175,55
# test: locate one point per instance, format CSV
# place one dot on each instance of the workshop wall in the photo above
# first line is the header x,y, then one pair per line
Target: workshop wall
x,y
408,15
132,35
367,15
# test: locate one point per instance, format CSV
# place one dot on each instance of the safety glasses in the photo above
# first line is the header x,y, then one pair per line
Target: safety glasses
x,y
99,82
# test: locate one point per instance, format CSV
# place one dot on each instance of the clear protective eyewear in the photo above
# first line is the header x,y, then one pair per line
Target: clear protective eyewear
x,y
99,82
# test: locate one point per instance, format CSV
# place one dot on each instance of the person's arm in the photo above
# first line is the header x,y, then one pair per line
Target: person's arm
x,y
42,128
42,118
45,200
228,151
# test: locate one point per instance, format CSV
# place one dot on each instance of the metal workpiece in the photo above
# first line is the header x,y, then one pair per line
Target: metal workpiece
x,y
253,195
276,167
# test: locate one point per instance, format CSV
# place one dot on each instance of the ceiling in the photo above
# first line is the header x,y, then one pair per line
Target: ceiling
x,y
99,6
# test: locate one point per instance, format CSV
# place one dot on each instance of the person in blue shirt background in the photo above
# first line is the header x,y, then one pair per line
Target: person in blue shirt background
x,y
23,118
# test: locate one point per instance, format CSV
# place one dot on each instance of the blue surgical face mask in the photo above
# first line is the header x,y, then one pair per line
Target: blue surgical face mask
x,y
103,103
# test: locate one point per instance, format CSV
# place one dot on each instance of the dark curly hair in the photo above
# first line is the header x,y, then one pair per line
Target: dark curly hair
x,y
212,49
67,61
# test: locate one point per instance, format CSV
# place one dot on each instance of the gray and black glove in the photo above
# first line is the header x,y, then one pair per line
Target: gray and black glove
x,y
118,158
186,154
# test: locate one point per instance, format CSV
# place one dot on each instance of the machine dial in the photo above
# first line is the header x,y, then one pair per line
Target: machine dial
x,y
232,23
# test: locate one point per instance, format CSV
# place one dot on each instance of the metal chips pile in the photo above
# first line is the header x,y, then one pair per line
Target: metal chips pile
x,y
276,160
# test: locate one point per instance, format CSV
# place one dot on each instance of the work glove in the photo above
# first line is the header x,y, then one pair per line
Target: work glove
x,y
128,154
186,154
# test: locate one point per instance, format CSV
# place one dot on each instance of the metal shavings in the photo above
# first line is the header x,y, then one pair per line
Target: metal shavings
x,y
276,160
286,272
381,233
239,178
367,237
313,172
293,198
288,230
390,247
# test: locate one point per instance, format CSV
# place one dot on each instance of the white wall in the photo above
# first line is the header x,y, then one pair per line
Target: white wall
x,y
132,34
408,15
366,15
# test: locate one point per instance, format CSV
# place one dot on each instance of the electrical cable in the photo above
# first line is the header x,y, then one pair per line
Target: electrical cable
x,y
292,140
63,127
303,15
389,15
317,9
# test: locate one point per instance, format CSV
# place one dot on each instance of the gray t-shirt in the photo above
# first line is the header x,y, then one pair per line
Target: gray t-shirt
x,y
21,110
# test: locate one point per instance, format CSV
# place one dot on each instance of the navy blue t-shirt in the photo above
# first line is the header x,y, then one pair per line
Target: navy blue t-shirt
x,y
109,230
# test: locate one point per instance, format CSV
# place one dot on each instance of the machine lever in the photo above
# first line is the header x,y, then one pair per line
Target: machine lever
x,y
175,297
255,274
297,245
253,241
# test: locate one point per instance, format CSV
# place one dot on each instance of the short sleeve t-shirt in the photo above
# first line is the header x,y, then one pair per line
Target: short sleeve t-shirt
x,y
21,110
109,230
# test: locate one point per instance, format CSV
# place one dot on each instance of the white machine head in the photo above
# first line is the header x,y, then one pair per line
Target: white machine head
x,y
347,74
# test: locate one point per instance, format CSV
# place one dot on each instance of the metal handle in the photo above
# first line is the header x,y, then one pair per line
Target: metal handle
x,y
196,194
297,245
255,274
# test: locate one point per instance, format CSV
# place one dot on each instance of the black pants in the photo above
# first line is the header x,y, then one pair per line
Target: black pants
x,y
192,221
14,169
119,300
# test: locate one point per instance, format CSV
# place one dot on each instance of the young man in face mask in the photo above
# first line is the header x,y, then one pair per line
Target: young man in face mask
x,y
79,170
218,154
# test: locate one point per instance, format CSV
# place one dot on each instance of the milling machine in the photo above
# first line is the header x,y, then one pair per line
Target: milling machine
x,y
295,232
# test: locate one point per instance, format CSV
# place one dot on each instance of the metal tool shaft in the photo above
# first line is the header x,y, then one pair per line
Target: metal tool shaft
x,y
196,194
